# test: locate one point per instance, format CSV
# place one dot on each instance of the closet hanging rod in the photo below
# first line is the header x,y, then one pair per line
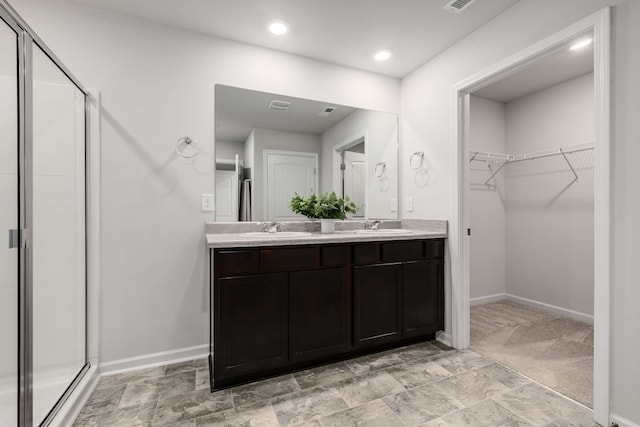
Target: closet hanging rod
x,y
509,158
555,152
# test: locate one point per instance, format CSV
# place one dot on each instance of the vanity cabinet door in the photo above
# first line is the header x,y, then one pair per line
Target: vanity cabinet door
x,y
320,313
251,324
377,304
423,297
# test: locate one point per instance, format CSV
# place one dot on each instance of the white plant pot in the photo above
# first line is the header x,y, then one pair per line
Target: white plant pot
x,y
327,225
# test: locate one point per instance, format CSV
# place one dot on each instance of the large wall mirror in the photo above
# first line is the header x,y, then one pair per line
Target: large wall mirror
x,y
269,147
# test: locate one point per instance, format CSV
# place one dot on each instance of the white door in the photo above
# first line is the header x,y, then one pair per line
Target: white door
x,y
288,173
226,196
354,182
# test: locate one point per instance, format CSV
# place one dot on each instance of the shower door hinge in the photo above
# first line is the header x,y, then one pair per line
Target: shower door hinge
x,y
468,232
17,238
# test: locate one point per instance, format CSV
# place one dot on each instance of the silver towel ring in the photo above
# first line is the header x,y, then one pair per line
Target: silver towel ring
x,y
415,165
379,170
186,142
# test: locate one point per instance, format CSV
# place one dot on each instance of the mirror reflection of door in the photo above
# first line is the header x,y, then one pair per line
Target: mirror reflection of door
x,y
353,176
226,195
287,173
228,174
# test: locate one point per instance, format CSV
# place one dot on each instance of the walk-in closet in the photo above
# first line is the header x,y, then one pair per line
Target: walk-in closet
x,y
531,168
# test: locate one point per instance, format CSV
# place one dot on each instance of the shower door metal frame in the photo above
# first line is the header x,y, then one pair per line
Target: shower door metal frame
x,y
26,39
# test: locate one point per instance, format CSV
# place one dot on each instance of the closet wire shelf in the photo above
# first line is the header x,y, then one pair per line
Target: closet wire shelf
x,y
504,159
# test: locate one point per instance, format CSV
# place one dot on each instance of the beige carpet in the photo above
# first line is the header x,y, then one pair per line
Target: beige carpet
x,y
552,350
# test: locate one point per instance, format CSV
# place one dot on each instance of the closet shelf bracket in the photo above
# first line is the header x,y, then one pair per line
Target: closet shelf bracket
x,y
566,159
495,172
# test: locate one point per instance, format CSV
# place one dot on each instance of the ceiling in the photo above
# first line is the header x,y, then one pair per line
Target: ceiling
x,y
238,111
557,67
345,32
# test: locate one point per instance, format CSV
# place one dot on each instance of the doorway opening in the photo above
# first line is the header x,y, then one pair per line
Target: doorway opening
x,y
353,174
507,170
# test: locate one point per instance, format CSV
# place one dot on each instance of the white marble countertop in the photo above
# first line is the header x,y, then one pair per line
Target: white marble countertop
x,y
227,235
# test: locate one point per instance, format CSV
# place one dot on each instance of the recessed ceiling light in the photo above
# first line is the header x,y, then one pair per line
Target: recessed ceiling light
x,y
382,55
581,43
278,28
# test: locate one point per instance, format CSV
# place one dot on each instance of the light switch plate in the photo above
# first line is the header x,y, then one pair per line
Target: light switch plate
x,y
393,205
409,204
208,203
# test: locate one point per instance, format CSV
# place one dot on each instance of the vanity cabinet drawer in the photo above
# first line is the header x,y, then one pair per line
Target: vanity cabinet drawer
x,y
237,262
434,249
334,256
367,253
402,251
289,259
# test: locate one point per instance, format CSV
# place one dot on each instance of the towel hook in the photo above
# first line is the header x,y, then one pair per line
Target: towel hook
x,y
419,155
379,170
186,142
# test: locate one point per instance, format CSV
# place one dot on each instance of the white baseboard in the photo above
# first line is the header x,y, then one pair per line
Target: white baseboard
x,y
444,338
582,317
154,359
72,407
487,299
623,422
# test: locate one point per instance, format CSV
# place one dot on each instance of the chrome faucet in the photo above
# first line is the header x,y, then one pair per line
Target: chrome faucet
x,y
270,227
372,225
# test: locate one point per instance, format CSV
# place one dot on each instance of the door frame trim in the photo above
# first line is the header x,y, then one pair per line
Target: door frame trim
x,y
599,24
337,150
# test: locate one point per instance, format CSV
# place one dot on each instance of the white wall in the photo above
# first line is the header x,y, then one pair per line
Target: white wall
x,y
269,139
487,203
381,145
625,326
249,154
154,264
426,96
549,220
226,150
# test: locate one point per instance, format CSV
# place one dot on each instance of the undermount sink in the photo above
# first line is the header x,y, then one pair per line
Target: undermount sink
x,y
276,235
385,231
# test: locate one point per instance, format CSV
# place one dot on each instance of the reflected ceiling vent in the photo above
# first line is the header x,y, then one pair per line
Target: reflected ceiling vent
x,y
327,111
279,105
458,6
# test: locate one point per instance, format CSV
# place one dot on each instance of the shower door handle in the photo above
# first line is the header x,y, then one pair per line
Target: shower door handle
x,y
14,238
17,238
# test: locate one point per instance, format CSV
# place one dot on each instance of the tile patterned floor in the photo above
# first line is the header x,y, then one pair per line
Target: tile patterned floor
x,y
553,350
425,384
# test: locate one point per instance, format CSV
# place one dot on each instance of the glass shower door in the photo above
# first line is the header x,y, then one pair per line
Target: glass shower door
x,y
8,221
59,279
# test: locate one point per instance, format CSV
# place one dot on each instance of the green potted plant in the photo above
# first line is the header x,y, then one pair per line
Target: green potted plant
x,y
326,207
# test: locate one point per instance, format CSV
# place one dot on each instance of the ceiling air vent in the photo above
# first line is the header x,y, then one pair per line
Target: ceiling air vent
x,y
458,6
326,111
279,105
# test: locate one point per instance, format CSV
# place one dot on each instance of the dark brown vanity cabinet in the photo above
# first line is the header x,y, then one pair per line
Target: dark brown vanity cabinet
x,y
398,292
252,321
377,310
277,309
319,313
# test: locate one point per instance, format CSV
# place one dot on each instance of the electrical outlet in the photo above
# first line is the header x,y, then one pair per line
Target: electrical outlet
x,y
409,204
393,205
208,203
